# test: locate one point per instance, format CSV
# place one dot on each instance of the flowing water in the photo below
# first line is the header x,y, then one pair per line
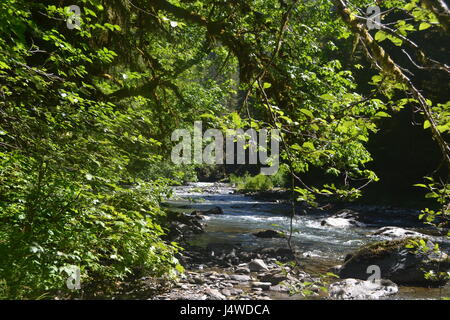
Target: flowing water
x,y
321,246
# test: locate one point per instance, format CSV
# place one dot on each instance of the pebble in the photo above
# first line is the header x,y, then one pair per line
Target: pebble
x,y
215,294
240,277
243,270
261,285
257,265
226,292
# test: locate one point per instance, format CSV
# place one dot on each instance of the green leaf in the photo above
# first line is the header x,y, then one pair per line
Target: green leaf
x,y
376,78
3,65
380,36
382,114
398,42
327,96
330,274
426,124
363,138
236,118
309,145
409,6
89,12
424,26
307,112
179,268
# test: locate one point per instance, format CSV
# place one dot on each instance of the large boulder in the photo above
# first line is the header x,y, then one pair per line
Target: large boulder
x,y
356,289
397,262
397,233
182,226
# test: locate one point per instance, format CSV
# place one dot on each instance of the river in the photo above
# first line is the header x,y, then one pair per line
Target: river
x,y
321,246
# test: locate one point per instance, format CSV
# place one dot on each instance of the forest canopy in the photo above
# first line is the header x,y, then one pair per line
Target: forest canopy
x,y
88,103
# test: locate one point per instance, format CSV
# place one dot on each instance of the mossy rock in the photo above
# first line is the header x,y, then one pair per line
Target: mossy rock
x,y
397,262
379,249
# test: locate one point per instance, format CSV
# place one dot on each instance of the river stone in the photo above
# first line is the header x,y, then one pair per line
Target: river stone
x,y
261,285
236,291
280,254
190,296
242,270
198,280
268,234
240,277
257,265
343,219
274,279
397,233
226,292
182,226
356,289
402,265
336,222
279,288
214,294
215,210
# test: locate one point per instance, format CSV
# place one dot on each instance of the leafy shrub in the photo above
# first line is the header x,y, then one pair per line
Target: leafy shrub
x,y
71,164
248,183
262,182
64,222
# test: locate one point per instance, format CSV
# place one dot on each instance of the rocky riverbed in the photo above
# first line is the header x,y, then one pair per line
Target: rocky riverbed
x,y
236,248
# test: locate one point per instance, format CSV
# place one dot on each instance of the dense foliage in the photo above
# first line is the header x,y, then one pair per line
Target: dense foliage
x,y
86,115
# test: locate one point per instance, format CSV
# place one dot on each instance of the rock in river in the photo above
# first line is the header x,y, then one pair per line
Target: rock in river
x,y
182,226
215,210
268,234
397,262
343,219
397,233
355,289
